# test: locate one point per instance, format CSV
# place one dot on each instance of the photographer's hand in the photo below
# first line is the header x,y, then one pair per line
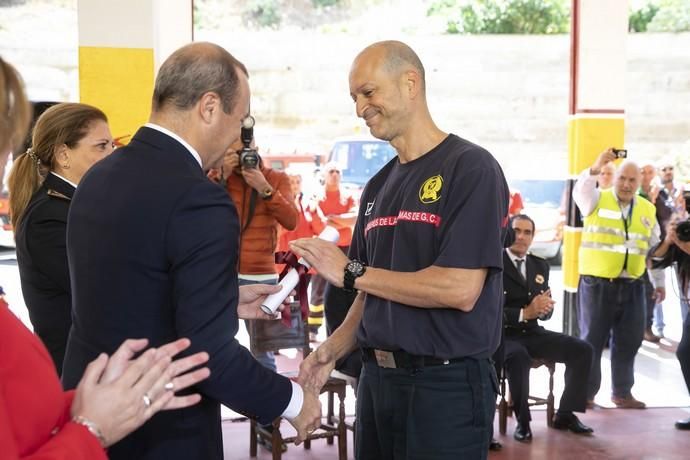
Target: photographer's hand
x,y
231,162
604,157
256,180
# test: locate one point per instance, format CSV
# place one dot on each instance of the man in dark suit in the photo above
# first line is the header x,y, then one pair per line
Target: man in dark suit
x,y
152,247
527,299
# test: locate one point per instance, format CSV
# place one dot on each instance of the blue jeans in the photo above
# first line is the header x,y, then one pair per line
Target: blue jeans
x,y
265,358
618,306
433,413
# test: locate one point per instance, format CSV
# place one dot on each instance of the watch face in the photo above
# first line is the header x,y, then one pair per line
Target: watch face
x,y
355,267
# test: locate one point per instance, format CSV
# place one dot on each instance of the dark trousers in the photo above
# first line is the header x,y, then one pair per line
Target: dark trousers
x,y
617,306
649,298
683,352
432,413
522,347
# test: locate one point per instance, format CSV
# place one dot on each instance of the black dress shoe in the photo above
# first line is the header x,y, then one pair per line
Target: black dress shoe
x,y
522,432
570,422
683,424
495,445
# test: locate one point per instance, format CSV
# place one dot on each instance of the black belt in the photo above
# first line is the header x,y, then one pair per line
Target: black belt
x,y
402,359
615,280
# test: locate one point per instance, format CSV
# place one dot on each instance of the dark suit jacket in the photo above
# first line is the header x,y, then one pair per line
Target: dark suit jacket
x,y
518,293
152,247
42,261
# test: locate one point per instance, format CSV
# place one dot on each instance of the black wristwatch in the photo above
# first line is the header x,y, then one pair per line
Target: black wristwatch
x,y
353,270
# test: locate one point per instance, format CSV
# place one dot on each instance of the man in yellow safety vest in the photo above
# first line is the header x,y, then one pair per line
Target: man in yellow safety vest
x,y
619,229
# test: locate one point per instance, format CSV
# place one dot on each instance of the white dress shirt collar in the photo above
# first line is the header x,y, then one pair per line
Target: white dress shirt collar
x,y
167,132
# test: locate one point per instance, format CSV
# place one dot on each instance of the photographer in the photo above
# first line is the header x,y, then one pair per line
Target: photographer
x,y
619,228
263,198
674,250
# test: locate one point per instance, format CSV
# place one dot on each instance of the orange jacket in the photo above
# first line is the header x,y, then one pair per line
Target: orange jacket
x,y
258,241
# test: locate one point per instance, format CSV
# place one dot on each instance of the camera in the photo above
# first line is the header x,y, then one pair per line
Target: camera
x,y
620,153
683,231
249,157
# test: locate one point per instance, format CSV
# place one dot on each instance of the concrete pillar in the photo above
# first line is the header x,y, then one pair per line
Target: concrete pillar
x,y
599,32
121,47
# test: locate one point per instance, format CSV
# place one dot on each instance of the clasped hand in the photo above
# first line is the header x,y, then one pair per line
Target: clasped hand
x,y
118,394
314,372
541,305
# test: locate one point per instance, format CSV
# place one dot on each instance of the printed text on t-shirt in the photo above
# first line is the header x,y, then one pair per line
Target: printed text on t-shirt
x,y
410,216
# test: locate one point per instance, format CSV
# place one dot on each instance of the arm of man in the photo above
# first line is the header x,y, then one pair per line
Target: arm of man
x,y
202,249
282,203
585,192
316,368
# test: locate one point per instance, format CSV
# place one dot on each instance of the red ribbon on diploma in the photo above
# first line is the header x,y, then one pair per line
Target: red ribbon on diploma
x,y
290,260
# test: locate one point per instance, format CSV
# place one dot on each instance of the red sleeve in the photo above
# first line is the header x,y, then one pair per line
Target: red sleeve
x,y
72,442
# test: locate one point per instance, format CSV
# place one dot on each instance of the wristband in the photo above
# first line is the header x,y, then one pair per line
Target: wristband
x,y
92,427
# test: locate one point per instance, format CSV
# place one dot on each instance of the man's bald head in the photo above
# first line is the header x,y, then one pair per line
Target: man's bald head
x,y
395,57
193,70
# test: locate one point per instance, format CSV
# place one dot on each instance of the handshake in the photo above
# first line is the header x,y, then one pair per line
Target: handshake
x,y
313,375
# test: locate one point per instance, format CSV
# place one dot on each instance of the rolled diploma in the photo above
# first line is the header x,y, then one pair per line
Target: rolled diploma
x,y
291,279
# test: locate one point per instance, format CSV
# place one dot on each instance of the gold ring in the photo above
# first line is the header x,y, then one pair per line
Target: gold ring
x,y
147,400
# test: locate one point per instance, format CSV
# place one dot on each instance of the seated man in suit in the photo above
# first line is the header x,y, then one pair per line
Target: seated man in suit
x,y
528,298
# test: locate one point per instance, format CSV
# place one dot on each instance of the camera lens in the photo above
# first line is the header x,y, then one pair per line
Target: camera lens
x,y
249,158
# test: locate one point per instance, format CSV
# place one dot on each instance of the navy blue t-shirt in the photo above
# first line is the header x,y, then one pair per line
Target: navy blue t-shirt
x,y
447,208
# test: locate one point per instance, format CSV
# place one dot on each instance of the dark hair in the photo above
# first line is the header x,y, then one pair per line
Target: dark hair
x,y
62,124
523,217
196,69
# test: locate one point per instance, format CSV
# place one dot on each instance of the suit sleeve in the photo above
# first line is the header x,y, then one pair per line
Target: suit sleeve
x,y
202,244
47,237
72,442
281,205
511,311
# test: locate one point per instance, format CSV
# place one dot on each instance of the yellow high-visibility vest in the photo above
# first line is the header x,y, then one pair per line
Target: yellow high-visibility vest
x,y
604,240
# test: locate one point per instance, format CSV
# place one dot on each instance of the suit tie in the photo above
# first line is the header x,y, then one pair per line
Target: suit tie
x,y
518,263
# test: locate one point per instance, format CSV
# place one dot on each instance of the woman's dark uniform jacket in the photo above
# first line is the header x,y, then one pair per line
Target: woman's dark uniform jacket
x,y
42,260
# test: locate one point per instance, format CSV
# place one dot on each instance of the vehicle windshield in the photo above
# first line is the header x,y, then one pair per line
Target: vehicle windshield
x,y
360,160
540,193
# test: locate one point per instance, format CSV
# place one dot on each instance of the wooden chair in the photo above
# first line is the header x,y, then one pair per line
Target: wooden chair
x,y
267,336
505,405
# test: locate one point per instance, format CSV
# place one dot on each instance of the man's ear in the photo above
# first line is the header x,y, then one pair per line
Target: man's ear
x,y
209,105
412,82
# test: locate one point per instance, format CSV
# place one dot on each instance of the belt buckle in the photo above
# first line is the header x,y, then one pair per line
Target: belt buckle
x,y
385,359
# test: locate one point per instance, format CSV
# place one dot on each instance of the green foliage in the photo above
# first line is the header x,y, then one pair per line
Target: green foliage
x,y
673,16
503,16
262,13
639,19
324,3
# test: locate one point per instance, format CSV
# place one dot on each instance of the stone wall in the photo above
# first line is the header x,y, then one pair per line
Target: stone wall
x,y
508,93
